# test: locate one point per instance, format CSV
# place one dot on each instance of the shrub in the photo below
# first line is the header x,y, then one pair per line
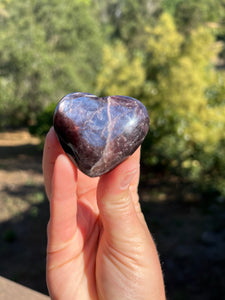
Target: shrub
x,y
44,121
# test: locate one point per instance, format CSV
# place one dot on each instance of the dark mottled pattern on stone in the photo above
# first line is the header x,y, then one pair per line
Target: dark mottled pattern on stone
x,y
99,133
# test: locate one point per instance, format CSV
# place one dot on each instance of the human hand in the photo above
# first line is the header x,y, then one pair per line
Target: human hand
x,y
99,246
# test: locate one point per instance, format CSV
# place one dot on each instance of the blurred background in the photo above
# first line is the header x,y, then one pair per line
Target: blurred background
x,y
170,54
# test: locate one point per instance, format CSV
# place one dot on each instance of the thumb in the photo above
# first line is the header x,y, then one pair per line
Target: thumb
x,y
118,200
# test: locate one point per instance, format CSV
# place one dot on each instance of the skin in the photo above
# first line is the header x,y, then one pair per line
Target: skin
x,y
99,246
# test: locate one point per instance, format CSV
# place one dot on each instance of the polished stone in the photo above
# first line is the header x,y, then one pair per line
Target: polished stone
x,y
100,133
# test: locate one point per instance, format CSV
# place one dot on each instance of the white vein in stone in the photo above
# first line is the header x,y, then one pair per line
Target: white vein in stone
x,y
99,162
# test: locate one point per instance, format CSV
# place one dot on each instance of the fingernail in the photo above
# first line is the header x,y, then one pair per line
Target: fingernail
x,y
127,179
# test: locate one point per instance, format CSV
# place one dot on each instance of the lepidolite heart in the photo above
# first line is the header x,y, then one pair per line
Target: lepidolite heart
x,y
99,133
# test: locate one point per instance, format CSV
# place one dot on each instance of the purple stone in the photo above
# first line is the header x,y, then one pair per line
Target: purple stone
x,y
99,133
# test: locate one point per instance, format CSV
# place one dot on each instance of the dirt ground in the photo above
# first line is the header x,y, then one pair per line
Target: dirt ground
x,y
23,210
188,227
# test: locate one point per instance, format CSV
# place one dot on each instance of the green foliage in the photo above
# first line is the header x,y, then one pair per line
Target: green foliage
x,y
125,19
47,48
161,52
120,74
163,42
170,5
191,14
44,121
187,132
24,64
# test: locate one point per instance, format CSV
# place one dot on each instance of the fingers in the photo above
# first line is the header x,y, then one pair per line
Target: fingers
x,y
117,198
52,150
63,204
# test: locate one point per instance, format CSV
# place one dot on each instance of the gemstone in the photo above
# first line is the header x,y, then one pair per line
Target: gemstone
x,y
99,133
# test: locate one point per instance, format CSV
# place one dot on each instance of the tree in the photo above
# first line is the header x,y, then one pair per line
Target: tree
x,y
47,49
120,74
187,133
126,19
191,14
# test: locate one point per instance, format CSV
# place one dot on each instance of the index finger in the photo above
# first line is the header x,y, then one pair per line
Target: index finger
x,y
52,150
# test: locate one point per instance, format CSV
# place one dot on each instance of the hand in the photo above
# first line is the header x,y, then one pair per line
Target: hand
x,y
99,246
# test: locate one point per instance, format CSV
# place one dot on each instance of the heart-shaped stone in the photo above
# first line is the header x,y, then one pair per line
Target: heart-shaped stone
x,y
100,133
